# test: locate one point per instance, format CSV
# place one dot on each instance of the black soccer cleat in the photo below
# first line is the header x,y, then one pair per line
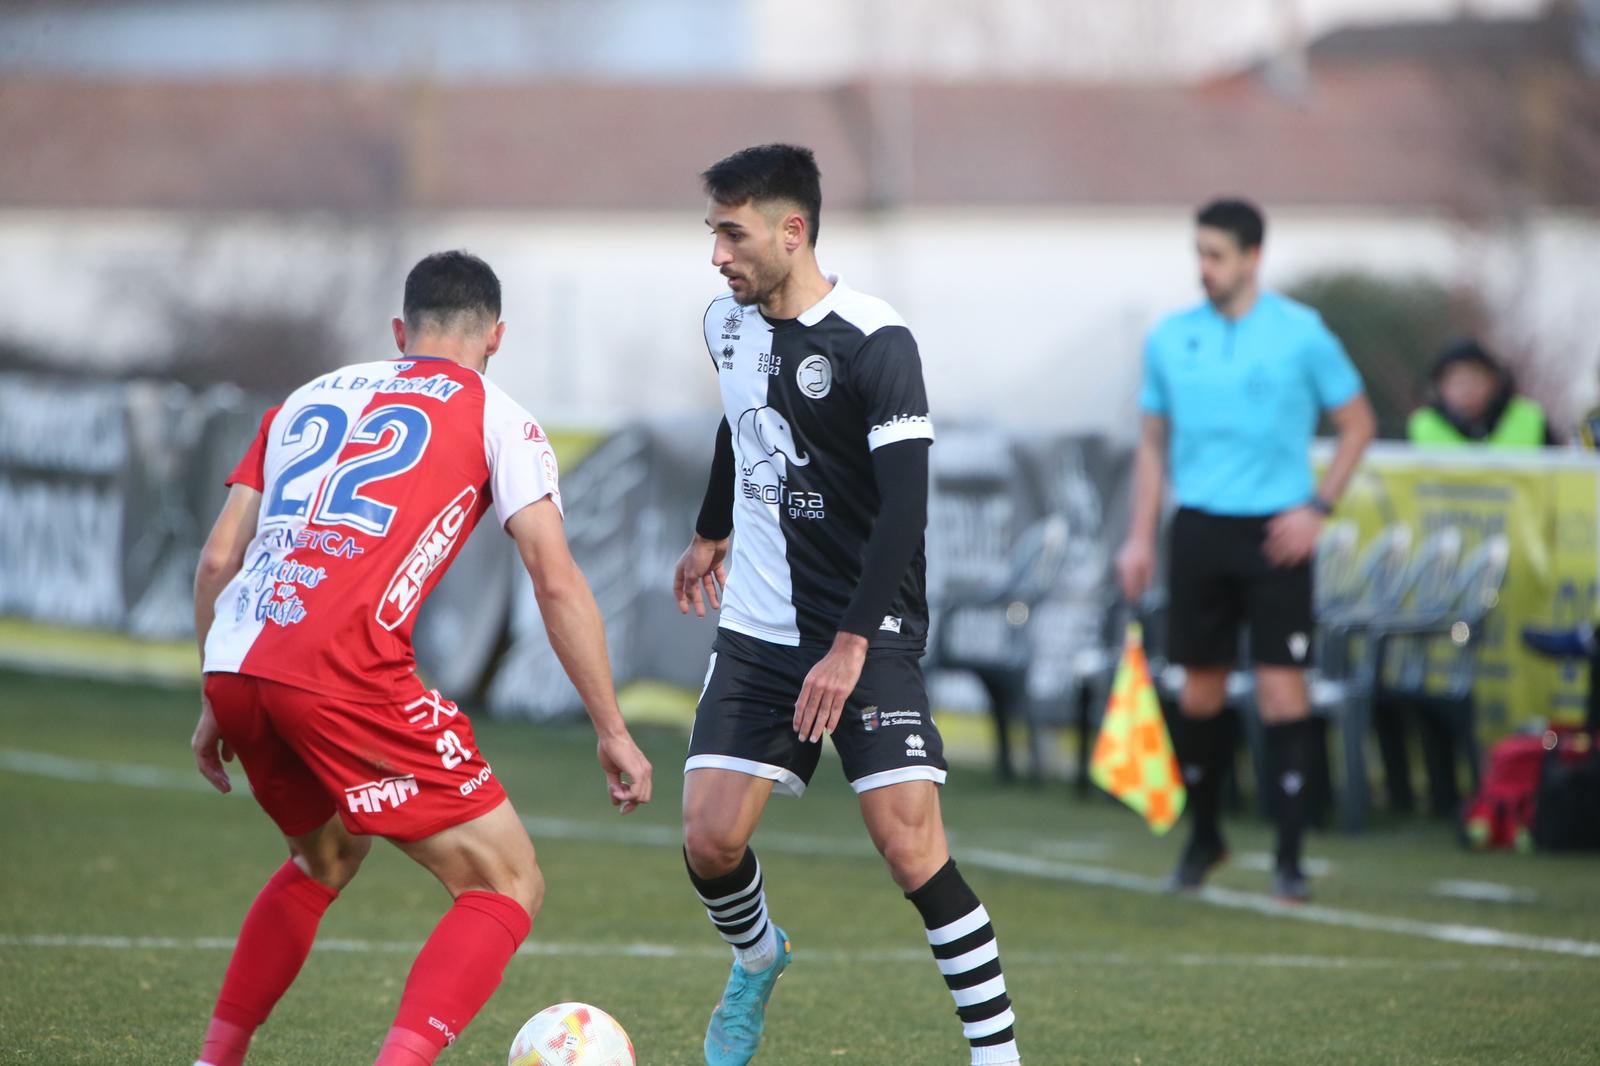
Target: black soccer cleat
x,y
1199,858
1289,886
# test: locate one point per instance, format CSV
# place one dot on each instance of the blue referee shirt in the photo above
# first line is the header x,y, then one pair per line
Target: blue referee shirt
x,y
1242,399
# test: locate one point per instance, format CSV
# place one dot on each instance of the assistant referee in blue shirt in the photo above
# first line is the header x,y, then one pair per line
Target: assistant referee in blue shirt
x,y
1233,390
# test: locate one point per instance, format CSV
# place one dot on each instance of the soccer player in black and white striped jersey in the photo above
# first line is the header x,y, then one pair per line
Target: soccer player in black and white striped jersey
x,y
821,468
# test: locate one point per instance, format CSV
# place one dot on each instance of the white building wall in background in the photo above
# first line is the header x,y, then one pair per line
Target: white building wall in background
x,y
1026,316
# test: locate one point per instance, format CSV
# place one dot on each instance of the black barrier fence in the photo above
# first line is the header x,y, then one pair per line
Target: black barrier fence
x,y
107,490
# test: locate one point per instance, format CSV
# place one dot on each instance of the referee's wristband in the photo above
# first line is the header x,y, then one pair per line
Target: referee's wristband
x,y
1320,505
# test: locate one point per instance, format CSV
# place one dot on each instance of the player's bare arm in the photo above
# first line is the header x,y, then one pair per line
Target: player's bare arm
x,y
578,637
1292,535
828,686
1136,559
220,558
701,575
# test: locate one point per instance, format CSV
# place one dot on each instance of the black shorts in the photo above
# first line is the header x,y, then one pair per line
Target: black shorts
x,y
1219,579
745,721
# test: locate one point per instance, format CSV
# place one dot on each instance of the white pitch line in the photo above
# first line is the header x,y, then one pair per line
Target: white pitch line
x,y
1259,903
647,950
65,768
62,767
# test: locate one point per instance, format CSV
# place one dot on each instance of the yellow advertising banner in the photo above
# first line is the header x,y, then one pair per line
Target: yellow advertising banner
x,y
1547,504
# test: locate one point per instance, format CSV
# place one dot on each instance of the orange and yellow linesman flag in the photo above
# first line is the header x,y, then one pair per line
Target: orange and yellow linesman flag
x,y
1133,758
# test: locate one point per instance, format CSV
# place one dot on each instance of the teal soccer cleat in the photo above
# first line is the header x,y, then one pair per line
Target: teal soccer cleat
x,y
736,1024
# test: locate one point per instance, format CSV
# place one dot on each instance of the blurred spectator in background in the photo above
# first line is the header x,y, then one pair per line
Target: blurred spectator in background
x,y
1474,401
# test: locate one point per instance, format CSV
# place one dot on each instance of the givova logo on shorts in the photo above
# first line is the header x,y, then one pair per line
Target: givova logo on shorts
x,y
371,797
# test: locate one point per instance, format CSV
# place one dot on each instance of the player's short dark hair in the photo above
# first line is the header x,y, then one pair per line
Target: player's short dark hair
x,y
1241,218
766,173
446,287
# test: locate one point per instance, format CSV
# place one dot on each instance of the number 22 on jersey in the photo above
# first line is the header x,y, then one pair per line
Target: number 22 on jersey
x,y
320,432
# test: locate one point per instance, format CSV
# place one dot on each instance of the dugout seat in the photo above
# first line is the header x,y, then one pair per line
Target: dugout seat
x,y
988,632
1354,641
1425,663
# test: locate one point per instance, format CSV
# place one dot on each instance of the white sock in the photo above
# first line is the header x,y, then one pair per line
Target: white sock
x,y
761,954
996,1055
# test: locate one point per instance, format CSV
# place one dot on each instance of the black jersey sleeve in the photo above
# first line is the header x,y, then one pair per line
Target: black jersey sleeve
x,y
901,471
716,510
886,373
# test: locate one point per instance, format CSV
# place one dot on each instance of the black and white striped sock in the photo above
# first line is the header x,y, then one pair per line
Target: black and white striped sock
x,y
736,903
968,955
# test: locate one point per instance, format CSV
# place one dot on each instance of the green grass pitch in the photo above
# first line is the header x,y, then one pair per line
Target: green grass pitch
x,y
123,880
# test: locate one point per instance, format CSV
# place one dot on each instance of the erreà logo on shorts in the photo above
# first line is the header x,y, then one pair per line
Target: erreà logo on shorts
x,y
432,548
372,797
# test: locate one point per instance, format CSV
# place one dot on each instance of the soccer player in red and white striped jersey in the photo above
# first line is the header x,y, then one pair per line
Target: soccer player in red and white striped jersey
x,y
354,498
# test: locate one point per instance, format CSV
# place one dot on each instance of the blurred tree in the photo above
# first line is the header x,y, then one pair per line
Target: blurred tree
x,y
1392,329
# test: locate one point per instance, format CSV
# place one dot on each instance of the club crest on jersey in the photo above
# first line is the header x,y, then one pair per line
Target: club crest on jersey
x,y
733,319
431,550
814,376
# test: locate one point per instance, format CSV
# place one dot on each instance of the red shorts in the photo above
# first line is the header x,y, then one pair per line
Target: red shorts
x,y
399,770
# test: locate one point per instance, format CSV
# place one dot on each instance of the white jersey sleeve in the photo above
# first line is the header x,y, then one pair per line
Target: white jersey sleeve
x,y
522,465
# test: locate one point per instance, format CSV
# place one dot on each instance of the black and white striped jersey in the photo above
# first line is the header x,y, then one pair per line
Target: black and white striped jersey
x,y
808,400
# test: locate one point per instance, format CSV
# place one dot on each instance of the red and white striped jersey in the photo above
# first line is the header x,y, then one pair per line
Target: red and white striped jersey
x,y
371,478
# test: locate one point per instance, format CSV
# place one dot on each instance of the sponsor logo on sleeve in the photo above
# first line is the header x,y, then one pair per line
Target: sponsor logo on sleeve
x,y
915,745
532,431
891,624
899,422
431,550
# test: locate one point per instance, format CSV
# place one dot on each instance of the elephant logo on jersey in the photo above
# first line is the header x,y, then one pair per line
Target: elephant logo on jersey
x,y
762,436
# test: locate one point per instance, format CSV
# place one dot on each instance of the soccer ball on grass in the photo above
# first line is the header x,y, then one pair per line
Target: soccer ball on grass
x,y
571,1034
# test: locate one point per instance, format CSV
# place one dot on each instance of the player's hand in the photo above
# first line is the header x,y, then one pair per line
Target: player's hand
x,y
828,686
700,567
1136,562
210,750
1292,536
627,771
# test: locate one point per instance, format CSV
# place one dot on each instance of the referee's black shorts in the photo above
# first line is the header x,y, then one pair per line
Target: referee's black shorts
x,y
1219,579
745,720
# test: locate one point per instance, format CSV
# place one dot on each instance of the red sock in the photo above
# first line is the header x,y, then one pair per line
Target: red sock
x,y
272,946
402,1047
457,971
